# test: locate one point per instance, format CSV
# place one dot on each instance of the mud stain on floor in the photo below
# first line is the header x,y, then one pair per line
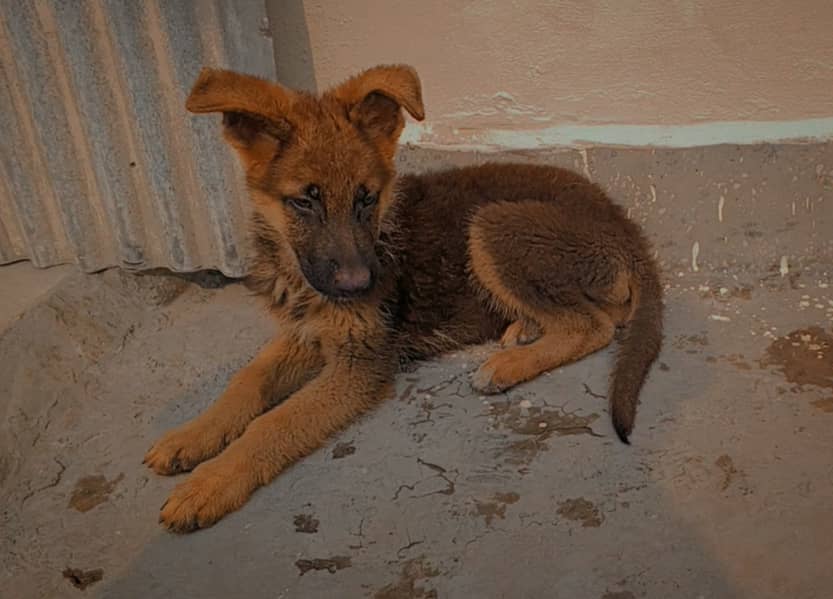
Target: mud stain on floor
x,y
496,508
406,587
91,491
825,405
725,294
344,449
81,579
536,425
804,357
581,510
726,464
691,344
305,523
330,564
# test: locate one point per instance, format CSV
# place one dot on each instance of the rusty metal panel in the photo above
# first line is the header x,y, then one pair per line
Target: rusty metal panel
x,y
100,163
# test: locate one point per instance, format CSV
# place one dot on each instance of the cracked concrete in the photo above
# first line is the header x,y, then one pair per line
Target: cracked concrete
x,y
442,492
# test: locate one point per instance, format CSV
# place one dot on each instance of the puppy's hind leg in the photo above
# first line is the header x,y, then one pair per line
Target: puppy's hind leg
x,y
531,275
567,336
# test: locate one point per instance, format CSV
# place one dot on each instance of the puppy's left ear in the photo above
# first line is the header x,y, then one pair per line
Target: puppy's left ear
x,y
374,100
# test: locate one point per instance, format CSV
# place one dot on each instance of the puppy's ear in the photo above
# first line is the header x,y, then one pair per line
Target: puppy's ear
x,y
374,100
254,111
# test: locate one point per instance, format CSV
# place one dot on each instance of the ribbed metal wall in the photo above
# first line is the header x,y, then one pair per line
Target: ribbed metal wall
x,y
100,163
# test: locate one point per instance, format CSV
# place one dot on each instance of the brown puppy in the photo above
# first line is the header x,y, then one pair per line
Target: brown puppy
x,y
363,271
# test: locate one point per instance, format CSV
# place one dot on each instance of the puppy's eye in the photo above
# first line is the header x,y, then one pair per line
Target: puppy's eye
x,y
300,204
369,200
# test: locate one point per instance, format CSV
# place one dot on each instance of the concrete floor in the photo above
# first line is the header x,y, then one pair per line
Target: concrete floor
x,y
725,492
22,286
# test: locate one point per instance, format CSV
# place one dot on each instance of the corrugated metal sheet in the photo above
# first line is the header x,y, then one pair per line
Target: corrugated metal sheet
x,y
100,163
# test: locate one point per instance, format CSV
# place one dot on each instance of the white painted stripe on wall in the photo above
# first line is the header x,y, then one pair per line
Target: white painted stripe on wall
x,y
664,136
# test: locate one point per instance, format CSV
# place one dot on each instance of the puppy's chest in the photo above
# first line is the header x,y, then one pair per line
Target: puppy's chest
x,y
314,319
295,308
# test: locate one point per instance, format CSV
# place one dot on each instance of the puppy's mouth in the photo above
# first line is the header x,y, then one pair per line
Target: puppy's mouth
x,y
344,297
327,289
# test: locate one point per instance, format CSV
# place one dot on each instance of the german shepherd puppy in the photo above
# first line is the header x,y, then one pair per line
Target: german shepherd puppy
x,y
363,271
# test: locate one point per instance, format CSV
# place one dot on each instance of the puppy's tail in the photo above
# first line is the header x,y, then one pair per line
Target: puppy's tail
x,y
638,349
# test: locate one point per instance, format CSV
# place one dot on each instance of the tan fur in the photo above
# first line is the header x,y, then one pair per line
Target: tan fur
x,y
520,332
362,271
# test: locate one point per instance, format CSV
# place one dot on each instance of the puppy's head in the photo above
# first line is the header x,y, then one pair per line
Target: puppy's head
x,y
320,168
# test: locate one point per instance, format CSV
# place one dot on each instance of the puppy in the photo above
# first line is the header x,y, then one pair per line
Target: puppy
x,y
364,271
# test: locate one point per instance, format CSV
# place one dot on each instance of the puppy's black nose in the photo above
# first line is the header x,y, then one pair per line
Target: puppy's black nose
x,y
353,279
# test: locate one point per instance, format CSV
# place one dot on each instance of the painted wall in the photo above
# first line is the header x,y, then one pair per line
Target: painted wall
x,y
529,73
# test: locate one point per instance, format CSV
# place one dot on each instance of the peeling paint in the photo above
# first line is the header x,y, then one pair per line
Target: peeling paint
x,y
585,165
660,136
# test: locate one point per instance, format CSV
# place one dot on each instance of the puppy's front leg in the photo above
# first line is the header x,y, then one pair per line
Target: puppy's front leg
x,y
349,385
283,366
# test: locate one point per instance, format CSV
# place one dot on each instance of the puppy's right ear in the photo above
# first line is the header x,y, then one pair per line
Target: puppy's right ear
x,y
254,112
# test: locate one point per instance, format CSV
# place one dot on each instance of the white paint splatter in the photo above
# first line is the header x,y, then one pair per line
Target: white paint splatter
x,y
720,208
653,193
719,317
585,164
695,251
785,267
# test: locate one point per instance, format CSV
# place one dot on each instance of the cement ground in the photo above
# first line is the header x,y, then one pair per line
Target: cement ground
x,y
725,492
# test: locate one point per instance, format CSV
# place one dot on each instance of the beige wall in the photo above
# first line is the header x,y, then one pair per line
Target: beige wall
x,y
524,65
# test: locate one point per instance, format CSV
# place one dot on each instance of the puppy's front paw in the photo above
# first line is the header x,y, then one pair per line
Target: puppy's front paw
x,y
212,491
182,449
